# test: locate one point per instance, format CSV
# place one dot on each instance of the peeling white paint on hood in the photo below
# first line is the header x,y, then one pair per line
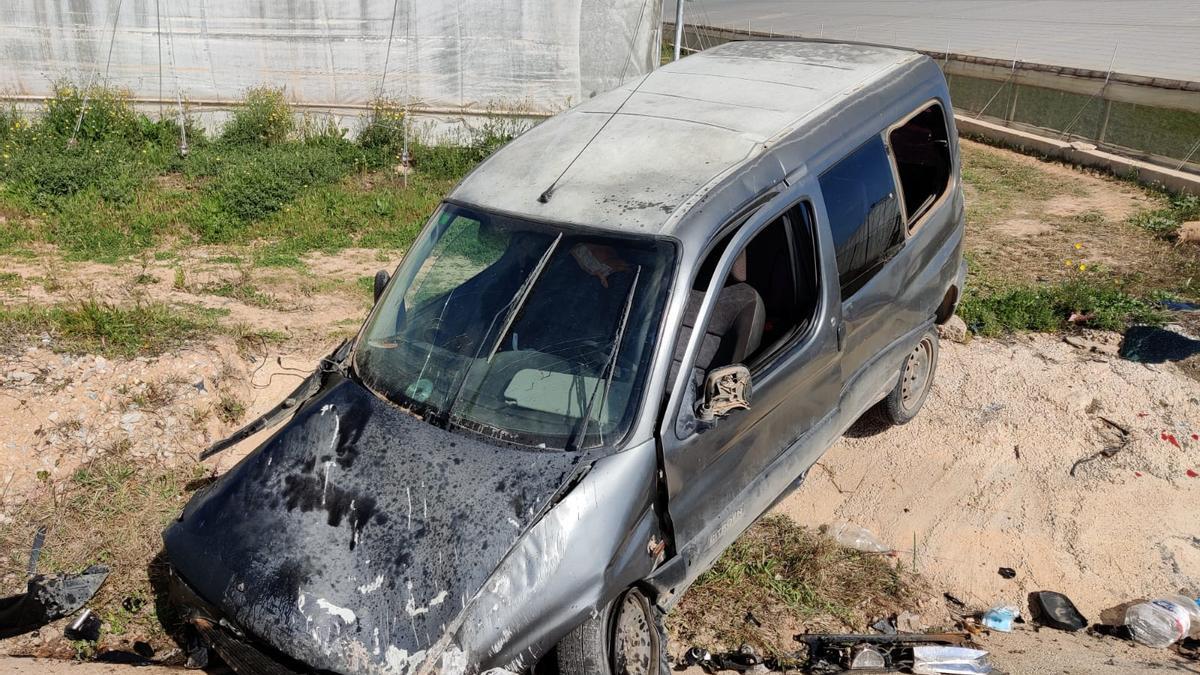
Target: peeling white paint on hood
x,y
342,613
373,586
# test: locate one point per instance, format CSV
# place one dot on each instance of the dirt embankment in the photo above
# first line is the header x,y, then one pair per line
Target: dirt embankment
x,y
984,477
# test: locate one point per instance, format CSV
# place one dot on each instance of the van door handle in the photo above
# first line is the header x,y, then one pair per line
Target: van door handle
x,y
841,333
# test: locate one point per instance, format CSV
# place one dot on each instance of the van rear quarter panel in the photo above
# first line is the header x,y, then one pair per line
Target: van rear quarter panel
x,y
906,292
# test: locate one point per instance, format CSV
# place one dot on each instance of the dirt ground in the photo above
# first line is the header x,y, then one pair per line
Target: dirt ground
x,y
1031,221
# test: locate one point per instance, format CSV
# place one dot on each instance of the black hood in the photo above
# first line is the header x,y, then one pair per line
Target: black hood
x,y
352,539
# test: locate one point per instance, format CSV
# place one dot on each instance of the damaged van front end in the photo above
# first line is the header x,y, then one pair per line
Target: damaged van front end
x,y
458,490
361,539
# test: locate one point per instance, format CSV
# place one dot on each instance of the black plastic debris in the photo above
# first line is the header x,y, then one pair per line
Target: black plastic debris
x,y
886,625
1008,573
879,653
1055,610
48,598
35,551
743,660
1147,344
85,627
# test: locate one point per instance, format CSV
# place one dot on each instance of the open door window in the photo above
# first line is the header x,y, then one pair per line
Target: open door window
x,y
921,149
766,301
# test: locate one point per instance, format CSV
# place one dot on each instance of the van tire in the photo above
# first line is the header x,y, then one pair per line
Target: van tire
x,y
904,401
592,647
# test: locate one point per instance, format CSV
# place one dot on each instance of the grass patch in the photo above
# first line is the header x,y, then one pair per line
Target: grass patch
x,y
1002,180
109,511
244,292
94,327
119,187
10,281
788,577
155,394
1164,222
1095,302
230,409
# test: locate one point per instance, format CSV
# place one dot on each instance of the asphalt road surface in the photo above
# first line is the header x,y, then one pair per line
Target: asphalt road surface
x,y
1158,38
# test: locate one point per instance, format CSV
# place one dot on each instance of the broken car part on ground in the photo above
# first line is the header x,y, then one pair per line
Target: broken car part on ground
x,y
48,598
620,340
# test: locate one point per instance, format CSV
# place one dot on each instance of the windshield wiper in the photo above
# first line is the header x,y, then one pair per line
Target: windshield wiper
x,y
580,430
514,306
522,295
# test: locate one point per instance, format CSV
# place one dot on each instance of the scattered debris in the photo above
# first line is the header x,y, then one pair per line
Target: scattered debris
x,y
1162,622
1000,618
1008,573
1055,610
1170,438
85,627
928,659
1116,445
855,537
743,660
909,622
885,626
953,600
837,653
49,598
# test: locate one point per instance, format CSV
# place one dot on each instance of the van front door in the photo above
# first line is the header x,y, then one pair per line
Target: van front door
x,y
721,475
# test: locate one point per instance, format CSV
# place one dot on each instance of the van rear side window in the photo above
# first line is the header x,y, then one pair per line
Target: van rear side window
x,y
922,152
864,213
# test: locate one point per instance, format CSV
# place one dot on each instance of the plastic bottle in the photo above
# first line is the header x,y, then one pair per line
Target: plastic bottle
x,y
1162,622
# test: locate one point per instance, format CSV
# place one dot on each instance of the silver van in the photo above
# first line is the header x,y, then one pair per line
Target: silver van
x,y
618,342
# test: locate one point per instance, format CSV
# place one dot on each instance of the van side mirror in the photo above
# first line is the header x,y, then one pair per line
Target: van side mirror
x,y
725,389
381,281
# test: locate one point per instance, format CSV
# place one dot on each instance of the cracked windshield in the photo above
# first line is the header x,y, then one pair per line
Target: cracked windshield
x,y
520,331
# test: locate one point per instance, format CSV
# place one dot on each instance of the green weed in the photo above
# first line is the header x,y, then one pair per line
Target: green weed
x,y
122,187
1164,222
263,118
780,571
1093,301
383,127
106,113
94,327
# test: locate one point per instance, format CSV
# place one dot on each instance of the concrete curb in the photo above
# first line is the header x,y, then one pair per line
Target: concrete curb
x,y
1083,154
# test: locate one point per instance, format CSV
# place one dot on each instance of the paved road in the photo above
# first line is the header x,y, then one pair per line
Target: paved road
x,y
1159,38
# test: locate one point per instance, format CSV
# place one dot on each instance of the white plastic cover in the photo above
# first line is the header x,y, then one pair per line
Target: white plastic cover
x,y
538,56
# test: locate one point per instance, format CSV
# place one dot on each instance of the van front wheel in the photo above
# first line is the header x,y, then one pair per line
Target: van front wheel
x,y
916,378
626,637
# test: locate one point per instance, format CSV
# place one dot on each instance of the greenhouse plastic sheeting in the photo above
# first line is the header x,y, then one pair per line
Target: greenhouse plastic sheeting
x,y
535,56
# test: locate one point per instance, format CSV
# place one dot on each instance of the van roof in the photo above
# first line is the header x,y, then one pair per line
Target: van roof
x,y
635,159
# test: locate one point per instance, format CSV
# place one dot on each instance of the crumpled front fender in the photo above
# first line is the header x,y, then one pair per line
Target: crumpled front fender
x,y
585,550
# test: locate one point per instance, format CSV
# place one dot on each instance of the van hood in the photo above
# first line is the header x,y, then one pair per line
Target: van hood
x,y
354,537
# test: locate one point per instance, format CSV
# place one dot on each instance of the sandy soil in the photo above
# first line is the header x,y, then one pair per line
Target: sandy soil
x,y
982,478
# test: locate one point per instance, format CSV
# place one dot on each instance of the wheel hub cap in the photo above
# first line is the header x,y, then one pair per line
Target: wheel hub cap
x,y
632,642
915,378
